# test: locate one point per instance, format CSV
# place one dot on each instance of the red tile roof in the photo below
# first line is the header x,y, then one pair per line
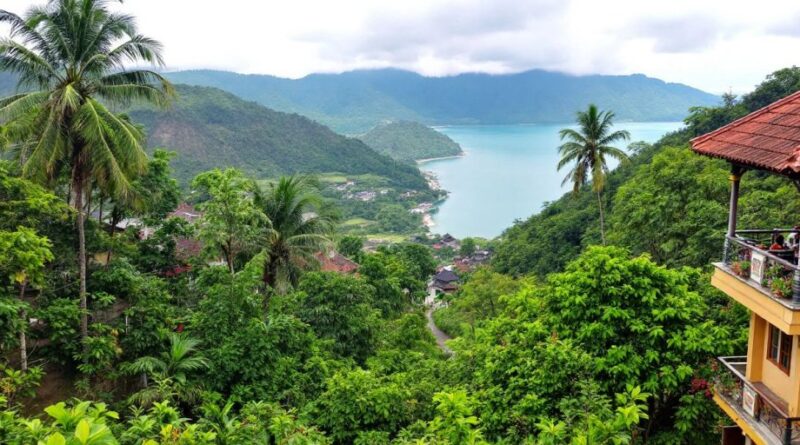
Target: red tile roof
x,y
766,139
187,212
336,262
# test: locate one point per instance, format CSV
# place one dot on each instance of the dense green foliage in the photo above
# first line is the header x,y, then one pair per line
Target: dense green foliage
x,y
410,141
608,344
354,102
68,58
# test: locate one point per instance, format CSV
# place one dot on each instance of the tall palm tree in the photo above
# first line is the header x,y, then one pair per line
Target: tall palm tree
x,y
70,58
302,226
588,149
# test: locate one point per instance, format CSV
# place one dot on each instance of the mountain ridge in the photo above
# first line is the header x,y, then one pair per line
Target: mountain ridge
x,y
355,101
210,128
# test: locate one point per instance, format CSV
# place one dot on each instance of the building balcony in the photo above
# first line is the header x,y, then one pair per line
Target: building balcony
x,y
759,412
765,281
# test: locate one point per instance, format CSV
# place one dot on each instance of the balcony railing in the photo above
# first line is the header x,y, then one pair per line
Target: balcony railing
x,y
755,403
776,272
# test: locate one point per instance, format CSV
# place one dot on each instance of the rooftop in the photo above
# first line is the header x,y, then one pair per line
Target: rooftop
x,y
446,276
336,262
766,139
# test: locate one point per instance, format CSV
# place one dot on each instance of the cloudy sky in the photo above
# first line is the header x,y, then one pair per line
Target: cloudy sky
x,y
716,45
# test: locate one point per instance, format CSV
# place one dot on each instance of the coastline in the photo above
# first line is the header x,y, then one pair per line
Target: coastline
x,y
422,161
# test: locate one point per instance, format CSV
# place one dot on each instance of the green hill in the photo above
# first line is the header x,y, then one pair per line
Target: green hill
x,y
353,102
211,128
409,141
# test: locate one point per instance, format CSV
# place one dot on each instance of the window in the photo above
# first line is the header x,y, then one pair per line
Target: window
x,y
779,350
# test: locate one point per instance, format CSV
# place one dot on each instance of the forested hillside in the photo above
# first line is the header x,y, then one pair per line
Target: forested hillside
x,y
211,128
410,141
354,102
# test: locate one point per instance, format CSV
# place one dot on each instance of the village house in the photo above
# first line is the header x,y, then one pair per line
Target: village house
x,y
422,208
365,196
450,241
445,281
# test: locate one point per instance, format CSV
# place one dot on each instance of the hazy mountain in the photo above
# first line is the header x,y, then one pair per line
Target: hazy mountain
x,y
409,141
355,101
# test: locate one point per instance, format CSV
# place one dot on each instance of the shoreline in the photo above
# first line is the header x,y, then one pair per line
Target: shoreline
x,y
423,161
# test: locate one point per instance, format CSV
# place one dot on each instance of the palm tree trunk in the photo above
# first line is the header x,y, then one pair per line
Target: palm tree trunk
x,y
602,218
229,256
78,190
23,344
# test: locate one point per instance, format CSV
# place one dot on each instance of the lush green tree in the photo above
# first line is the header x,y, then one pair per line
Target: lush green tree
x,y
480,298
170,369
398,274
154,194
360,400
642,324
590,419
777,85
418,258
232,224
302,226
468,247
673,208
588,149
395,218
23,255
70,57
339,307
518,370
157,188
702,120
252,358
24,203
351,246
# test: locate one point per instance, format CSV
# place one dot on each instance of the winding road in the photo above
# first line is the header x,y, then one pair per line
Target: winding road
x,y
440,336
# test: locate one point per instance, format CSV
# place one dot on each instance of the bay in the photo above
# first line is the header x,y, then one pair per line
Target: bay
x,y
508,172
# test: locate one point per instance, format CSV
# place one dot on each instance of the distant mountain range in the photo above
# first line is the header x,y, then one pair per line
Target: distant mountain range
x,y
355,101
410,141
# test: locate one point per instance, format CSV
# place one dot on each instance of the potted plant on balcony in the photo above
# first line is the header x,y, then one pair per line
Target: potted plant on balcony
x,y
741,268
781,287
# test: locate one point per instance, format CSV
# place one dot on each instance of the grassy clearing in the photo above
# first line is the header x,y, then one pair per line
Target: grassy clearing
x,y
387,237
357,222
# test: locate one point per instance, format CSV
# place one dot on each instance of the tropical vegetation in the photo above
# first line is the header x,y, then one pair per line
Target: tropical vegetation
x,y
213,321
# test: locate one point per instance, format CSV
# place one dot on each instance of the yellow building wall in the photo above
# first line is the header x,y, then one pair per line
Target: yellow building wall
x,y
761,369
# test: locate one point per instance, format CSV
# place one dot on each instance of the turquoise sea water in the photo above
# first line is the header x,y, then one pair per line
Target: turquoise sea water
x,y
508,173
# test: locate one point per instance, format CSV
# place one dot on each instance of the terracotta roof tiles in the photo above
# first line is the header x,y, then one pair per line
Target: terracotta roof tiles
x,y
767,139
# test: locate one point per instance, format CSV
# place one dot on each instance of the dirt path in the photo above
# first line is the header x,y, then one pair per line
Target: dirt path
x,y
440,336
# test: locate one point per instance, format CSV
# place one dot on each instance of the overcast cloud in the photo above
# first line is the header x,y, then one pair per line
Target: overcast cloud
x,y
715,45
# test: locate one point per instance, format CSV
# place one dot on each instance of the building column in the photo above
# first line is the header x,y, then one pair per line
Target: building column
x,y
756,344
736,176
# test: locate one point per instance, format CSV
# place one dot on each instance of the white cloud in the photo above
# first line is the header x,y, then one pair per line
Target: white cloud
x,y
712,44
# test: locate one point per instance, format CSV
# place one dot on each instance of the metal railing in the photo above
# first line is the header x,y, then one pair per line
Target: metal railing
x,y
748,255
730,383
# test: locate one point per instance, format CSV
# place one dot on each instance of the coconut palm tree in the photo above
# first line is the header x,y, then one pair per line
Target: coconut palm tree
x,y
69,57
169,369
588,149
301,227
